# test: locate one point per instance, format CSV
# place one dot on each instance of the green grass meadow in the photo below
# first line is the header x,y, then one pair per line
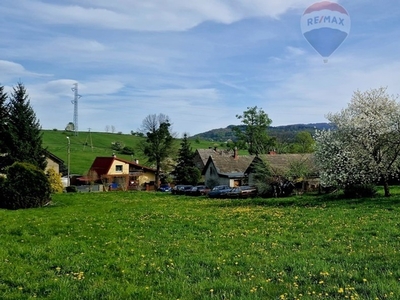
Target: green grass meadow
x,y
138,245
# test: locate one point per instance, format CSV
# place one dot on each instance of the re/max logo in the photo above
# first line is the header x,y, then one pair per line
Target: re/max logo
x,y
325,19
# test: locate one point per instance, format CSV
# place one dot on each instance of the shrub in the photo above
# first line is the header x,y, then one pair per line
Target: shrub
x,y
127,150
211,183
71,189
265,189
55,181
117,146
2,187
360,191
26,186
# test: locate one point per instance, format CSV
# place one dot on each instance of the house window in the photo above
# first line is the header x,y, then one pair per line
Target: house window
x,y
118,168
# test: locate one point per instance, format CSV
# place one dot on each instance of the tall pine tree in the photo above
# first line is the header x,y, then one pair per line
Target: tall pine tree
x,y
185,171
24,142
3,126
3,117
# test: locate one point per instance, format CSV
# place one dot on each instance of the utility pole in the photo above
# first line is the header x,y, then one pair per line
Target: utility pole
x,y
68,159
86,142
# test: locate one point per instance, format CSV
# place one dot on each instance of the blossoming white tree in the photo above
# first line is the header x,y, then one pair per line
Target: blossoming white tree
x,y
365,146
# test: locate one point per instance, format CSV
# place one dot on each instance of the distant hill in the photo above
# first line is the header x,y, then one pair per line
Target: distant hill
x,y
286,133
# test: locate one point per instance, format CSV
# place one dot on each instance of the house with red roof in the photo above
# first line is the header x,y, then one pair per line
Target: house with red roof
x,y
120,173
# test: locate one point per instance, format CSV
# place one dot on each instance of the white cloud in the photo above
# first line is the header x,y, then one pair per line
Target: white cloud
x,y
316,89
251,53
293,51
77,44
157,15
10,70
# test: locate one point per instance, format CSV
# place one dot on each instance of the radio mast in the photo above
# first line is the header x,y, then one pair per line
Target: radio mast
x,y
75,103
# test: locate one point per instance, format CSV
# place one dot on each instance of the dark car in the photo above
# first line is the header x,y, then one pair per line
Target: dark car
x,y
219,191
242,192
164,188
199,190
181,189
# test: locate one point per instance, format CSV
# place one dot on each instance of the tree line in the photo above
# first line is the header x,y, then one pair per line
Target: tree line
x,y
362,149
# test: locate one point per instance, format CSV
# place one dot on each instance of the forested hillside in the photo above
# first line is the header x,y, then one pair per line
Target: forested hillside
x,y
285,133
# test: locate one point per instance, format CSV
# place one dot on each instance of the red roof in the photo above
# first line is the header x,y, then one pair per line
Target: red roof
x,y
102,165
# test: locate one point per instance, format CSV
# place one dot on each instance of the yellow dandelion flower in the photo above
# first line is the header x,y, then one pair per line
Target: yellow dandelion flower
x,y
340,290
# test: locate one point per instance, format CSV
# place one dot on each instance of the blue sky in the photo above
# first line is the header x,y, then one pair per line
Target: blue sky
x,y
201,63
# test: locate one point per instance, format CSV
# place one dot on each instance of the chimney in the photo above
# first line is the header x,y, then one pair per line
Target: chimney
x,y
113,155
235,154
136,161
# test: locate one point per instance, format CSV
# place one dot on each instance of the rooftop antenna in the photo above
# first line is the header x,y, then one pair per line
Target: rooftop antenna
x,y
75,103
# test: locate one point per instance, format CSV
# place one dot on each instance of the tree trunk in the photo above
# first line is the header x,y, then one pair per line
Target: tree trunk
x,y
386,187
157,177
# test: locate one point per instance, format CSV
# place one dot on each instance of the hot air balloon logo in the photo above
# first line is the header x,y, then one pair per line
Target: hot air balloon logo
x,y
325,25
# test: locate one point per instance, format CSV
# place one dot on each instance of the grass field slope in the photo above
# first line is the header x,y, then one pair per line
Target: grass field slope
x,y
85,147
138,245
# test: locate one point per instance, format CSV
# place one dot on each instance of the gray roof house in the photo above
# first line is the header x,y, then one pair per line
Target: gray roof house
x,y
227,169
201,156
280,164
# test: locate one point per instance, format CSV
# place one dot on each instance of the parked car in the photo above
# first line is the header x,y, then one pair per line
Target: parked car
x,y
219,191
199,190
181,189
242,192
164,188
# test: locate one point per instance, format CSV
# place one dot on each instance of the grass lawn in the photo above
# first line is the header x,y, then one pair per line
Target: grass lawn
x,y
137,245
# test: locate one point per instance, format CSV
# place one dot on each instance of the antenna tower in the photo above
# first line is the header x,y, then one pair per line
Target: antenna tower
x,y
75,103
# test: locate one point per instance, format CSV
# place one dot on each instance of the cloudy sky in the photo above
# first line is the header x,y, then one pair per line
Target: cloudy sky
x,y
199,62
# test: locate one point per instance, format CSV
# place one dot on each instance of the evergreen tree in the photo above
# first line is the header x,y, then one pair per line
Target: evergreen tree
x,y
185,171
3,123
24,142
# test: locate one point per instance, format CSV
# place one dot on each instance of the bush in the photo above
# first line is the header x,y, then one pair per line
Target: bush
x,y
55,181
2,186
211,183
275,189
360,191
127,150
26,186
265,190
117,146
71,189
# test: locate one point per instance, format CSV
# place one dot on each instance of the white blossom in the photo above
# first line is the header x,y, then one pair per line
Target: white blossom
x,y
364,147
